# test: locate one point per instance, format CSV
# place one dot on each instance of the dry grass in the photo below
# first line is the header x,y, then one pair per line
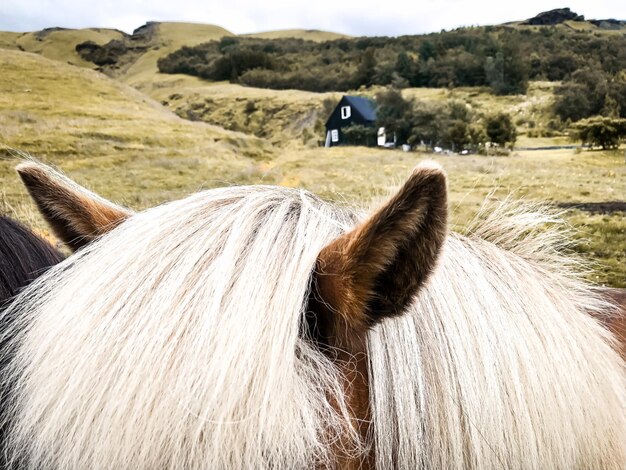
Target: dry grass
x,y
569,25
91,125
351,174
8,40
60,45
286,118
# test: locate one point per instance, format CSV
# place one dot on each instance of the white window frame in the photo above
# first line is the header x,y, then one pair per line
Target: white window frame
x,y
346,112
334,135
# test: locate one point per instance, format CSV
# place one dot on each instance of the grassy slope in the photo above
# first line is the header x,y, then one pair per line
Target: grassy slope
x,y
584,26
8,40
288,117
284,117
167,38
93,126
60,45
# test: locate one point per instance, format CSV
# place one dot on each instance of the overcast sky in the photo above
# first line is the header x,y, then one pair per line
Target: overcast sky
x,y
354,17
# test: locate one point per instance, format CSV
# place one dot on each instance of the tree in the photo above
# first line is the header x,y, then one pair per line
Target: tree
x,y
456,119
500,129
427,50
605,132
393,113
426,124
404,66
367,69
572,102
507,73
456,135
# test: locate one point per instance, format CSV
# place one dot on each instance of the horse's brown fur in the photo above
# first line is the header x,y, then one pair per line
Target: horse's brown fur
x,y
375,270
616,322
76,216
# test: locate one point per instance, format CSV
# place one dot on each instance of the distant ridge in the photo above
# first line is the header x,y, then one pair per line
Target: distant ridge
x,y
562,15
307,34
552,17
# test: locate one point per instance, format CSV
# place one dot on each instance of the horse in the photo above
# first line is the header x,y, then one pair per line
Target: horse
x,y
23,256
261,327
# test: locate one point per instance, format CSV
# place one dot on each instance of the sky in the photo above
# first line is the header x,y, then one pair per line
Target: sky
x,y
353,17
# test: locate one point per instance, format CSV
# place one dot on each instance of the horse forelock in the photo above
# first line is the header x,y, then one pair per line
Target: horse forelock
x,y
175,341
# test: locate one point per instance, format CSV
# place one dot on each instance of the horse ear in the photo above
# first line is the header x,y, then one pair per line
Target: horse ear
x,y
76,215
375,270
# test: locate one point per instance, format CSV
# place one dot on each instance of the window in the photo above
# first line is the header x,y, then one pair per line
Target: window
x,y
345,112
334,135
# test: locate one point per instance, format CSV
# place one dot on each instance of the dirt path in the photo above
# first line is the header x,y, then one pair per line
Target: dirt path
x,y
607,207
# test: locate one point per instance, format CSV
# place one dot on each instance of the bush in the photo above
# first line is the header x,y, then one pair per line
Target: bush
x,y
600,131
393,113
591,92
357,134
500,130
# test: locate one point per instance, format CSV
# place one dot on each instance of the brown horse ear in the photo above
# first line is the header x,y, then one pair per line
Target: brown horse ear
x,y
375,270
76,215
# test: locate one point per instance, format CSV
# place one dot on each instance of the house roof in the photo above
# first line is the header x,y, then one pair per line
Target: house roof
x,y
364,106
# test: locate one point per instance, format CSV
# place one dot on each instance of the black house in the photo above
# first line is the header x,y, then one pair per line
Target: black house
x,y
350,110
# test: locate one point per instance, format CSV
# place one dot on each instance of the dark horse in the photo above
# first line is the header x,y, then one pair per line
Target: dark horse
x,y
23,257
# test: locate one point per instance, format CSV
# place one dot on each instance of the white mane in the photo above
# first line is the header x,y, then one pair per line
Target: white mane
x,y
174,342
499,363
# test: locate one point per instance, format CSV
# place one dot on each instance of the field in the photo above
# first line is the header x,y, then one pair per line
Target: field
x,y
141,145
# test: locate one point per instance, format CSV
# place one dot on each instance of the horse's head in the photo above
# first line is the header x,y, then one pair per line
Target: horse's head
x,y
252,255
369,273
259,327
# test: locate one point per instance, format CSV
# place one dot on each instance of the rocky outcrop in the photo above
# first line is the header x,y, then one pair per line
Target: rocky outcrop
x,y
118,51
41,35
609,23
553,17
109,54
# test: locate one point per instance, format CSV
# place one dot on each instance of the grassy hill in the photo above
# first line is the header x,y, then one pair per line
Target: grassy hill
x,y
577,26
59,44
306,34
8,40
92,125
286,118
156,39
163,38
